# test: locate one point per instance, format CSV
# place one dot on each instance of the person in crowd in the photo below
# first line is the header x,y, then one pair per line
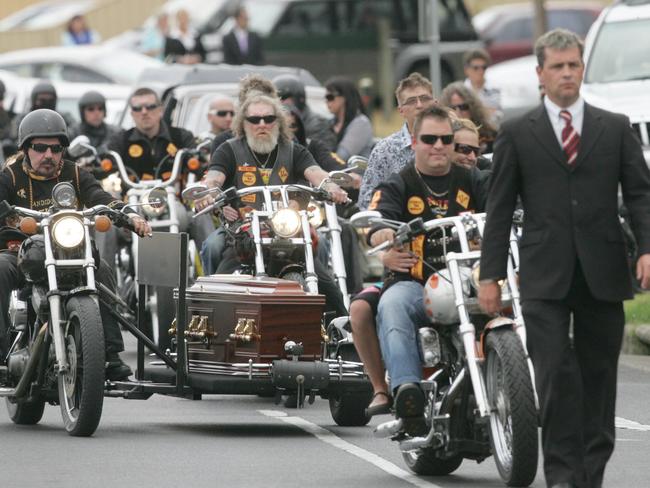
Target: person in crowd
x,y
468,106
43,96
92,113
5,117
351,124
467,152
476,63
220,114
263,153
431,186
27,181
565,160
154,38
241,46
183,45
291,91
78,33
150,143
391,154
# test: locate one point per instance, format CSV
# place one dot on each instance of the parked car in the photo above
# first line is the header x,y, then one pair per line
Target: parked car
x,y
186,91
508,30
19,89
44,15
78,64
518,82
617,73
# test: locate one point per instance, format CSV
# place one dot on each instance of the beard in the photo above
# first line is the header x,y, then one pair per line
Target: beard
x,y
263,144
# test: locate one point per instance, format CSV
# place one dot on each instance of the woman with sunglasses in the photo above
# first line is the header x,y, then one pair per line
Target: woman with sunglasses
x,y
467,151
351,124
466,104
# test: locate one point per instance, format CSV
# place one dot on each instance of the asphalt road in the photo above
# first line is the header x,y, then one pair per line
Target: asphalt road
x,y
246,441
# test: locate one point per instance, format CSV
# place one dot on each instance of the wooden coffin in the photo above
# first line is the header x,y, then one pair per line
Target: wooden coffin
x,y
237,318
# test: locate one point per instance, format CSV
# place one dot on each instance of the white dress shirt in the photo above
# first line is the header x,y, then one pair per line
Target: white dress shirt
x,y
577,111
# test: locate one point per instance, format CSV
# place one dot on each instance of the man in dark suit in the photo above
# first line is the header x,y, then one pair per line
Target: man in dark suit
x,y
240,46
565,160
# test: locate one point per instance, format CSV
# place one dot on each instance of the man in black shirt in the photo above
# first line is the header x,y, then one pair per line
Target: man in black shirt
x,y
429,188
262,153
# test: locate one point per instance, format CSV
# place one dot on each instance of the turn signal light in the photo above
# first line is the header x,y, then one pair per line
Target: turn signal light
x,y
106,165
102,223
29,226
193,164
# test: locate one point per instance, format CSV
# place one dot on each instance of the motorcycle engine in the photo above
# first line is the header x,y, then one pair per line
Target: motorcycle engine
x,y
16,363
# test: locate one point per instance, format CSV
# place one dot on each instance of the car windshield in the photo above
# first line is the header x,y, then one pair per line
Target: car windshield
x,y
113,64
620,53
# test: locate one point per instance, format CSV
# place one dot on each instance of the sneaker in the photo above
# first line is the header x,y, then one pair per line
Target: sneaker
x,y
116,369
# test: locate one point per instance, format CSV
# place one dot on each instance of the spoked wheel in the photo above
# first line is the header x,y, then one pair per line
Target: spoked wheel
x,y
426,462
297,277
81,388
513,421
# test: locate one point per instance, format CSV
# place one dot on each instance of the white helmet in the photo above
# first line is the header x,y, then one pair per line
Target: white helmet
x,y
439,299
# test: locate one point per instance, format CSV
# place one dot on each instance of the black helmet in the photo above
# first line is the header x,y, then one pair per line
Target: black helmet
x,y
291,86
42,123
43,88
2,90
91,98
31,258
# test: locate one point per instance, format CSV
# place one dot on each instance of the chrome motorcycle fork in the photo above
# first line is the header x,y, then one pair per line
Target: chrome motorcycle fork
x,y
54,300
260,269
468,337
310,273
173,211
336,251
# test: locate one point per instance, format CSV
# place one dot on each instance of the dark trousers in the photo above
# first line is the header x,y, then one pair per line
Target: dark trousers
x,y
10,279
326,283
576,381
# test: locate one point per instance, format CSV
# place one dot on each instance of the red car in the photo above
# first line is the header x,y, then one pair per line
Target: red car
x,y
508,30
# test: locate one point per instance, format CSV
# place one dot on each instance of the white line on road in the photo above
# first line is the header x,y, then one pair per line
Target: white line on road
x,y
333,440
622,423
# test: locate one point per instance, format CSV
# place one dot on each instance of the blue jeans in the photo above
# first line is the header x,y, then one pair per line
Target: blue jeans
x,y
400,314
212,251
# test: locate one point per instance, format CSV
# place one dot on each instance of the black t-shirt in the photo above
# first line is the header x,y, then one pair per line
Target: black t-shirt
x,y
223,160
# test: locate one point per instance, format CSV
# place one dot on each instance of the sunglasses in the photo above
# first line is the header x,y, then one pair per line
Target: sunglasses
x,y
222,113
461,106
256,119
431,139
284,96
478,67
467,149
413,100
150,107
331,96
94,108
293,126
42,148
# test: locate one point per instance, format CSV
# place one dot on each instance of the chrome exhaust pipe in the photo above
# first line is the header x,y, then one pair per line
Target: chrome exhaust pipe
x,y
34,357
388,429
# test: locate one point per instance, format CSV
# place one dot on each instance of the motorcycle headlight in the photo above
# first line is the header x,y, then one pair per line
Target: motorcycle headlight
x,y
476,273
315,213
153,205
285,222
68,232
64,195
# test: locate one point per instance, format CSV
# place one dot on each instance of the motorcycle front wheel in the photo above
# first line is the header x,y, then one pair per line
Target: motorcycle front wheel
x,y
81,388
513,421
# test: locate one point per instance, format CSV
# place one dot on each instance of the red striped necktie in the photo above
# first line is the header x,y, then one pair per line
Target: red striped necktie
x,y
570,138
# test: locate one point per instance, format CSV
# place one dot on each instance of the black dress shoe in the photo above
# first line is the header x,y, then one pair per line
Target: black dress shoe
x,y
409,406
116,369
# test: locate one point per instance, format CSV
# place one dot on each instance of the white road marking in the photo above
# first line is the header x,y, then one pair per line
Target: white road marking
x,y
333,440
622,423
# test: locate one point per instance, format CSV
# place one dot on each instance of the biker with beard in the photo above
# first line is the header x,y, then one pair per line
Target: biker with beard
x,y
27,181
431,187
92,110
262,153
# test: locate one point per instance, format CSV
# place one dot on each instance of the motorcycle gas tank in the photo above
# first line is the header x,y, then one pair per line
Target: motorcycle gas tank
x,y
243,318
439,296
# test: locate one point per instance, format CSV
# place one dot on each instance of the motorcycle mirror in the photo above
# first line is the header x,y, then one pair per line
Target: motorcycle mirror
x,y
342,179
80,146
155,197
364,219
358,162
195,191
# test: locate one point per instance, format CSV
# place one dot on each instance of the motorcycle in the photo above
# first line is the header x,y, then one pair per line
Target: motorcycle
x,y
480,398
57,339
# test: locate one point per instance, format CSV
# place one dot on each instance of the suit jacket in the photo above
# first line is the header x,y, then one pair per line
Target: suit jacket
x,y
570,213
233,55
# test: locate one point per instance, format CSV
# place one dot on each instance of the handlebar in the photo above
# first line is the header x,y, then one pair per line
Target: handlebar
x,y
148,183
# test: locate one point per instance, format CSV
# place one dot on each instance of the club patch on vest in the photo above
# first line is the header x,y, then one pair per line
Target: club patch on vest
x,y
248,179
22,193
249,198
283,174
250,169
171,149
415,205
462,199
135,150
266,175
375,200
